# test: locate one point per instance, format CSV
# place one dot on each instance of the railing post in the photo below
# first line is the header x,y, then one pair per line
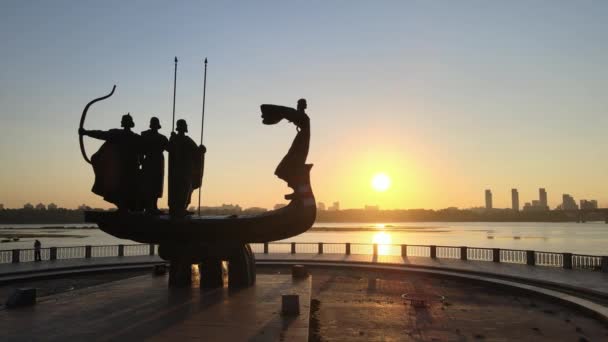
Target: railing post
x,y
531,258
265,247
151,249
434,252
53,253
403,250
348,248
496,254
567,260
121,250
16,254
293,248
87,251
605,264
320,249
464,252
375,249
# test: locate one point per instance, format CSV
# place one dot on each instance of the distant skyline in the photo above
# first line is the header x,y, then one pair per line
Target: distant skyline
x,y
447,99
321,205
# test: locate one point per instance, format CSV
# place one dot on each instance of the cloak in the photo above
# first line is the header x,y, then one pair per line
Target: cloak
x,y
153,164
116,167
185,171
292,165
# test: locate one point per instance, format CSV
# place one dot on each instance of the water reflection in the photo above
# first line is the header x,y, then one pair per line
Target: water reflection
x,y
383,239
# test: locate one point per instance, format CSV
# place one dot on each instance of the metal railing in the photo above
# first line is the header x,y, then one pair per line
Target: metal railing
x,y
498,255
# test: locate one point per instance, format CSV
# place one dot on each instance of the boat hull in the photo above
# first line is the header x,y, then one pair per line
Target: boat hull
x,y
294,219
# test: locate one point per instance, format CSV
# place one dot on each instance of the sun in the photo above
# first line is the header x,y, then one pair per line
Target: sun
x,y
381,182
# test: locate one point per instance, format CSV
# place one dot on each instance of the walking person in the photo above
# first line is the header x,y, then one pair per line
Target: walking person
x,y
37,247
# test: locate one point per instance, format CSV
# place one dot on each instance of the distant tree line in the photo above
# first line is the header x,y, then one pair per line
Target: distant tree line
x,y
41,214
32,215
38,216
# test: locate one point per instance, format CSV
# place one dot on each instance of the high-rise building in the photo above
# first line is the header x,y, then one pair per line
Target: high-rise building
x,y
334,207
542,198
514,200
568,202
320,206
488,199
585,204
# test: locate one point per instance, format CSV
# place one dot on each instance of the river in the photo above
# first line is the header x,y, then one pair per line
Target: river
x,y
588,238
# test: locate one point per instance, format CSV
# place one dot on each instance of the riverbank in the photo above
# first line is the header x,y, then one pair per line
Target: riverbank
x,y
61,216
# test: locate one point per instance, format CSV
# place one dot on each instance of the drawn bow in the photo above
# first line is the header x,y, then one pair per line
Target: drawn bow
x,y
83,116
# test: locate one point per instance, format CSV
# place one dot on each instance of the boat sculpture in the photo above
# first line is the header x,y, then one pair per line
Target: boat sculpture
x,y
209,240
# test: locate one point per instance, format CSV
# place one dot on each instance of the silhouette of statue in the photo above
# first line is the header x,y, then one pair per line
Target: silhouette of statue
x,y
116,164
153,145
293,166
185,169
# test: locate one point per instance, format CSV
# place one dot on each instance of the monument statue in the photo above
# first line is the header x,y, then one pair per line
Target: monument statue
x,y
185,169
153,166
293,165
116,164
193,239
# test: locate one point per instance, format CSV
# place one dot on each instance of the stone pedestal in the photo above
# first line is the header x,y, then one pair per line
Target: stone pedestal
x,y
180,274
211,273
299,271
240,258
290,305
21,297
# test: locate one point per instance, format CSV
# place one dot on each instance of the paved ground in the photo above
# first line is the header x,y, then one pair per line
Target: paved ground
x,y
364,305
54,285
346,304
144,308
592,281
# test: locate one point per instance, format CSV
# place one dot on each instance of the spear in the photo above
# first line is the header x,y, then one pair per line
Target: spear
x,y
202,127
174,90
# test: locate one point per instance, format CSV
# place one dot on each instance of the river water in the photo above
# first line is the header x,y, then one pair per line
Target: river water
x,y
588,238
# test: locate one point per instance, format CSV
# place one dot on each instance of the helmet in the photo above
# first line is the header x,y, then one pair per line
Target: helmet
x,y
127,121
302,104
181,126
155,123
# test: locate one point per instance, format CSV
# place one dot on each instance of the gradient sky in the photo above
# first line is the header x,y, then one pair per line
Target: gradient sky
x,y
447,98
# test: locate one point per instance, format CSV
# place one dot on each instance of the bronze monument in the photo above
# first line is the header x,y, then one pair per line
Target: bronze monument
x,y
190,239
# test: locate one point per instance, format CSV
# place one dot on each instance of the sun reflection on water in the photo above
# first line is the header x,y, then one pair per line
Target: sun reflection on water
x,y
383,239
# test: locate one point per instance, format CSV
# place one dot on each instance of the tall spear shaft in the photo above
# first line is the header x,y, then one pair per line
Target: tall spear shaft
x,y
204,93
202,127
174,91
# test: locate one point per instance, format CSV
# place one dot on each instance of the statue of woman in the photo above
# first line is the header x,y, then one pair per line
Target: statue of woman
x,y
292,166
